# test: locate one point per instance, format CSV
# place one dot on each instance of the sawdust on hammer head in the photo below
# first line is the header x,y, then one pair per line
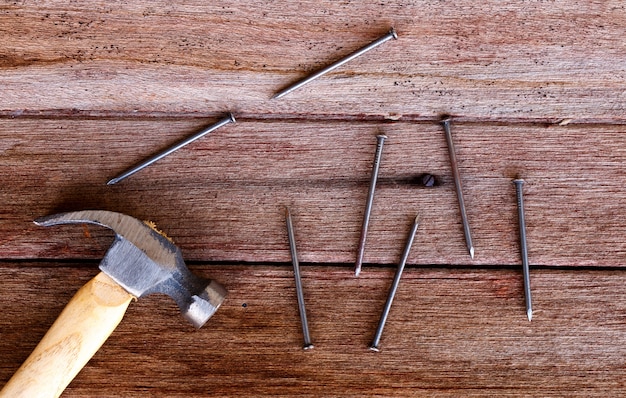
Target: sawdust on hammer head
x,y
152,225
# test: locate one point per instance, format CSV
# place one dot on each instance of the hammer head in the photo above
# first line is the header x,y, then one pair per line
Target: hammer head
x,y
143,261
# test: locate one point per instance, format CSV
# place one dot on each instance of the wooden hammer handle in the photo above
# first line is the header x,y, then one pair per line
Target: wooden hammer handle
x,y
81,329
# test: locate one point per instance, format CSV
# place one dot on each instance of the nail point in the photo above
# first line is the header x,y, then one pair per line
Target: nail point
x,y
393,32
374,348
308,347
529,313
471,252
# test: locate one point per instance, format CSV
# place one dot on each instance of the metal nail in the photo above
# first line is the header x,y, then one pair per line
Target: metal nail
x,y
519,183
394,287
370,200
457,183
228,119
296,271
391,35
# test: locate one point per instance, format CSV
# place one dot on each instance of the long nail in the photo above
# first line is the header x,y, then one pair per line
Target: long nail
x,y
457,184
519,183
368,205
394,287
228,119
296,271
391,35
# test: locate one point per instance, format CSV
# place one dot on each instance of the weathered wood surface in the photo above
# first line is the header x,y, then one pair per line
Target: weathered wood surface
x,y
450,333
511,60
222,197
536,89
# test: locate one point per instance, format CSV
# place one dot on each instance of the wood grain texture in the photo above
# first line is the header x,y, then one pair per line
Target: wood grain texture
x,y
222,197
536,90
534,60
450,333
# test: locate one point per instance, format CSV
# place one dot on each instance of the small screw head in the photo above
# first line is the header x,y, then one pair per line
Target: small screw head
x,y
428,180
425,179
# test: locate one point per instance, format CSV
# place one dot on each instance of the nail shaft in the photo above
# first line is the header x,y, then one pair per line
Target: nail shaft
x,y
391,35
228,119
519,183
457,184
368,205
296,271
394,287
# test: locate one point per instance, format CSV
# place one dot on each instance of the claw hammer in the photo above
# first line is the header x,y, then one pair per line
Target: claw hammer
x,y
141,261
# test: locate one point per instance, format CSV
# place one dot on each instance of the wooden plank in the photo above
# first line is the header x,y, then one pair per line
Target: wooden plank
x,y
91,88
502,60
222,197
450,333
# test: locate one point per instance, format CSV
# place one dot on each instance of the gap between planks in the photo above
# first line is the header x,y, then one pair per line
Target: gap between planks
x,y
245,117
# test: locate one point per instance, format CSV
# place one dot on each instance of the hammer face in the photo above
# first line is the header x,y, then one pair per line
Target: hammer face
x,y
204,304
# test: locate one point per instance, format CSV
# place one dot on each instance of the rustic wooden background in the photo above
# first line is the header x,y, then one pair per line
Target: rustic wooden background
x,y
536,88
